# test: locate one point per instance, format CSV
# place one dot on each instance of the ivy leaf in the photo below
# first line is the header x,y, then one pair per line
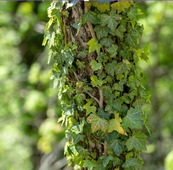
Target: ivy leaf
x,y
122,67
90,17
115,124
95,66
109,20
93,45
107,42
133,119
102,7
89,109
132,163
95,81
110,68
101,31
112,50
132,13
119,32
97,123
116,146
137,142
120,6
89,164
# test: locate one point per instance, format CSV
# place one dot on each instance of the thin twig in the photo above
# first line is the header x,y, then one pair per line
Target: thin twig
x,y
93,98
101,98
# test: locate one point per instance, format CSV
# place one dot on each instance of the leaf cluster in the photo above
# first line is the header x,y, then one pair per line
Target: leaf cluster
x,y
100,87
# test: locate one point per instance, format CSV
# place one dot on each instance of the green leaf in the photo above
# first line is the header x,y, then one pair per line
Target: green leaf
x,y
95,81
132,164
110,68
112,50
118,86
109,20
115,124
105,160
95,66
132,13
120,6
89,109
101,31
122,67
94,45
117,146
137,142
97,123
102,7
107,42
90,17
89,164
133,119
119,32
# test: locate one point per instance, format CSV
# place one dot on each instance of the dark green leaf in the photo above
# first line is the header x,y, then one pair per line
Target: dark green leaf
x,y
137,142
132,164
117,146
101,31
110,68
112,50
133,119
90,17
107,42
109,20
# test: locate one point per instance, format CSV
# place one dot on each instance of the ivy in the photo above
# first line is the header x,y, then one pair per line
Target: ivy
x,y
95,47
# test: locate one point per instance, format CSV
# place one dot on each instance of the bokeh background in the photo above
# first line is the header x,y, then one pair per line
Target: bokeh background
x,y
30,137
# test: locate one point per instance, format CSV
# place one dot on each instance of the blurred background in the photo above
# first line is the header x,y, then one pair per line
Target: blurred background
x,y
30,137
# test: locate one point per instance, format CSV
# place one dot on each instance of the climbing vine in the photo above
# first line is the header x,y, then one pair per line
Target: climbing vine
x,y
96,47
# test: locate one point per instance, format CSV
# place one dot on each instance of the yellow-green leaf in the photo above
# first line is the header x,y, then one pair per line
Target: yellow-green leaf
x,y
121,6
94,45
102,7
115,124
97,123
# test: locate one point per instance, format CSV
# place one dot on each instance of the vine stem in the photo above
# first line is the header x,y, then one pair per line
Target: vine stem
x,y
76,76
90,25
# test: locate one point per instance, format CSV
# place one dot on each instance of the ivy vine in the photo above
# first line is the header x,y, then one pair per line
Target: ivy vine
x,y
96,48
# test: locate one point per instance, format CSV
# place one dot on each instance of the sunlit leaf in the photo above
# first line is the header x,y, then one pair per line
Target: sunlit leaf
x,y
94,45
115,124
120,6
89,109
95,65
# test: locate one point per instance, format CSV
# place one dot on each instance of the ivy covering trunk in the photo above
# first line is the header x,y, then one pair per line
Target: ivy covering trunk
x,y
95,47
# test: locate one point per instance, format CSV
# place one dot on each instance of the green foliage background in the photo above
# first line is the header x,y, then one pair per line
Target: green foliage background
x,y
28,108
